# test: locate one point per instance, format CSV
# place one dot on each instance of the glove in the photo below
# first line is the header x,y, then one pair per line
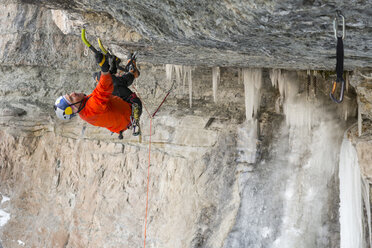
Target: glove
x,y
103,62
114,62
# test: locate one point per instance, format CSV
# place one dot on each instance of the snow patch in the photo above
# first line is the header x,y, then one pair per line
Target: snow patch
x,y
266,231
4,217
5,199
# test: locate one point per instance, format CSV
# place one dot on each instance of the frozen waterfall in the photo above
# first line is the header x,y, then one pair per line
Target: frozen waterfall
x,y
353,190
290,197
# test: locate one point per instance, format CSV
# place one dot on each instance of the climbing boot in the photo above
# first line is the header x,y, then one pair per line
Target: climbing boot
x,y
136,119
136,111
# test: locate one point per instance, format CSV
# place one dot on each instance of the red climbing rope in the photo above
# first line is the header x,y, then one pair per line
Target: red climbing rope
x,y
160,104
151,116
148,182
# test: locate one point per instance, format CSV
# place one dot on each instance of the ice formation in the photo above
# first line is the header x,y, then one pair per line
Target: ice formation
x,y
298,112
20,242
252,79
4,216
291,188
5,199
188,72
247,139
277,80
178,70
313,157
353,190
215,81
169,71
360,121
182,73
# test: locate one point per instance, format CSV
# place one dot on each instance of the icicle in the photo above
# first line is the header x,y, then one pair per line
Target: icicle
x,y
298,111
345,117
168,72
360,121
215,81
277,81
239,75
315,74
367,205
308,83
188,72
184,81
351,209
347,81
178,69
274,76
252,79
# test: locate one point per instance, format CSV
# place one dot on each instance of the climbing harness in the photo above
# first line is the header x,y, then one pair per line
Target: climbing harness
x,y
339,59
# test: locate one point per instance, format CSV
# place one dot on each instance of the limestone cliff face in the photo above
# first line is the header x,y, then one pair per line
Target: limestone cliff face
x,y
75,185
283,34
81,193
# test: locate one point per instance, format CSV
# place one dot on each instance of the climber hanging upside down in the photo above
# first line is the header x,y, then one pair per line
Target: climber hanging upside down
x,y
111,104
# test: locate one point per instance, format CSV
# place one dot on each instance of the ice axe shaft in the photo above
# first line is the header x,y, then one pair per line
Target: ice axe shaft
x,y
86,42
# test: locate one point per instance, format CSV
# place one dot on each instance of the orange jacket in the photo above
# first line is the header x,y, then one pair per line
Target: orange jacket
x,y
105,110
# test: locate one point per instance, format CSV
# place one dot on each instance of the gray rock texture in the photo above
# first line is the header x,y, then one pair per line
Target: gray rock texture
x,y
271,34
214,180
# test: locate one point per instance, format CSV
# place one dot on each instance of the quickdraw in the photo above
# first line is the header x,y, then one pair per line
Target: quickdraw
x,y
169,91
340,59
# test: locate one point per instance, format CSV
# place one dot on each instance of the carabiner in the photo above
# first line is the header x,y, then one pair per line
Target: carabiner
x,y
335,25
334,86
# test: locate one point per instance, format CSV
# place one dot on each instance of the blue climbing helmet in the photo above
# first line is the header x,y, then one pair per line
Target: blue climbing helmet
x,y
63,109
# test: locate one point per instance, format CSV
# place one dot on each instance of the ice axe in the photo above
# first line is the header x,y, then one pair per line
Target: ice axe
x,y
86,42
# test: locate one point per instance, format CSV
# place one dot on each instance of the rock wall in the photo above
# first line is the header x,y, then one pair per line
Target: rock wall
x,y
80,193
286,34
75,185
